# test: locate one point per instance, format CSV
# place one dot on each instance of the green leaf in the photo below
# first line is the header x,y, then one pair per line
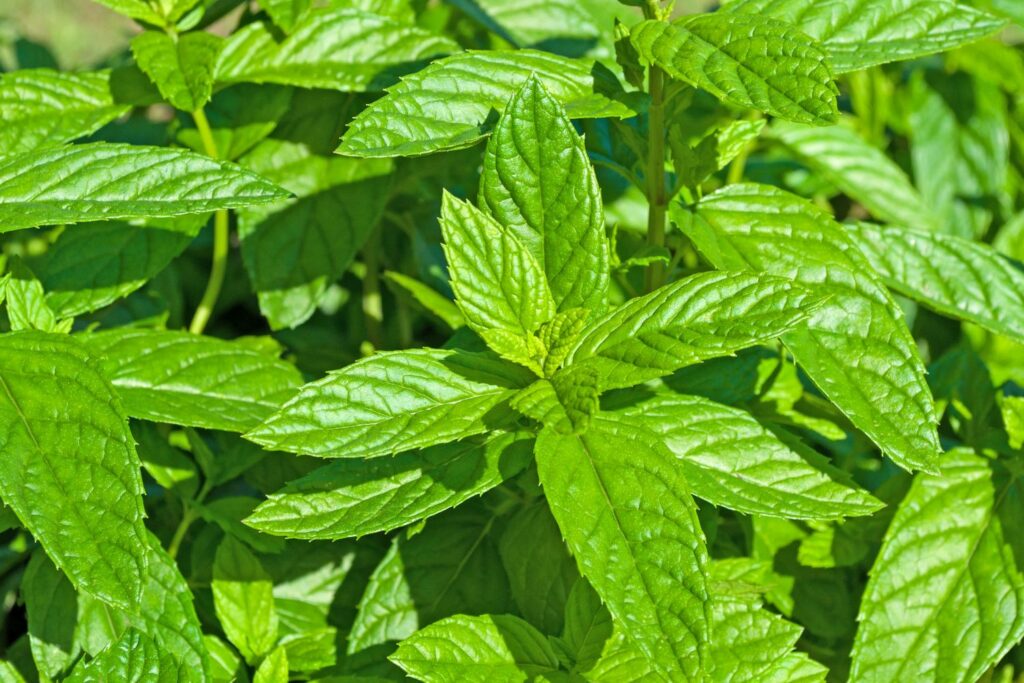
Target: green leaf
x,y
588,627
9,674
102,181
945,600
699,317
959,146
51,607
94,265
417,115
240,116
863,33
540,570
538,183
294,249
729,459
856,347
450,567
181,68
564,403
163,636
555,25
44,108
957,277
862,172
192,380
498,284
273,669
358,497
346,50
26,302
244,600
59,418
625,512
462,649
169,618
286,13
394,402
749,61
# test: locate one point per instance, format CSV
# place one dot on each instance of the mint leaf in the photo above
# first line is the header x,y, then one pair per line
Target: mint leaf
x,y
286,13
450,567
938,573
954,276
244,600
856,346
624,510
359,497
748,61
538,183
101,181
476,649
545,24
94,265
699,317
294,249
335,49
498,284
394,402
415,116
273,669
863,33
534,554
181,68
192,380
729,459
91,527
45,108
863,172
959,148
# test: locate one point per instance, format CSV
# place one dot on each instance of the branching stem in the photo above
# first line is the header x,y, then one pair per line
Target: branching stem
x,y
221,238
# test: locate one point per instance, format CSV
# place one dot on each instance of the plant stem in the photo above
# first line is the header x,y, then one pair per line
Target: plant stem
x,y
221,238
179,534
656,200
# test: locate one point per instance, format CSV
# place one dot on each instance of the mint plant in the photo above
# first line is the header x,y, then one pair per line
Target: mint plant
x,y
486,340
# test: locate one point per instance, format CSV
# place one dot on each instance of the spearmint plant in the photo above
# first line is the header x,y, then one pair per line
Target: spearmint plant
x,y
488,340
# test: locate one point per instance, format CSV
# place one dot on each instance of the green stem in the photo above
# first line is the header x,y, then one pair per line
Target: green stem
x,y
221,238
656,199
179,533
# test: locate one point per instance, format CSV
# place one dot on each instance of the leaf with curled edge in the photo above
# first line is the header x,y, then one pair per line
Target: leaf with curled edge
x,y
746,60
394,402
957,277
450,104
945,597
625,512
46,108
538,183
856,346
730,459
110,181
358,497
60,418
335,49
863,33
190,379
700,317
